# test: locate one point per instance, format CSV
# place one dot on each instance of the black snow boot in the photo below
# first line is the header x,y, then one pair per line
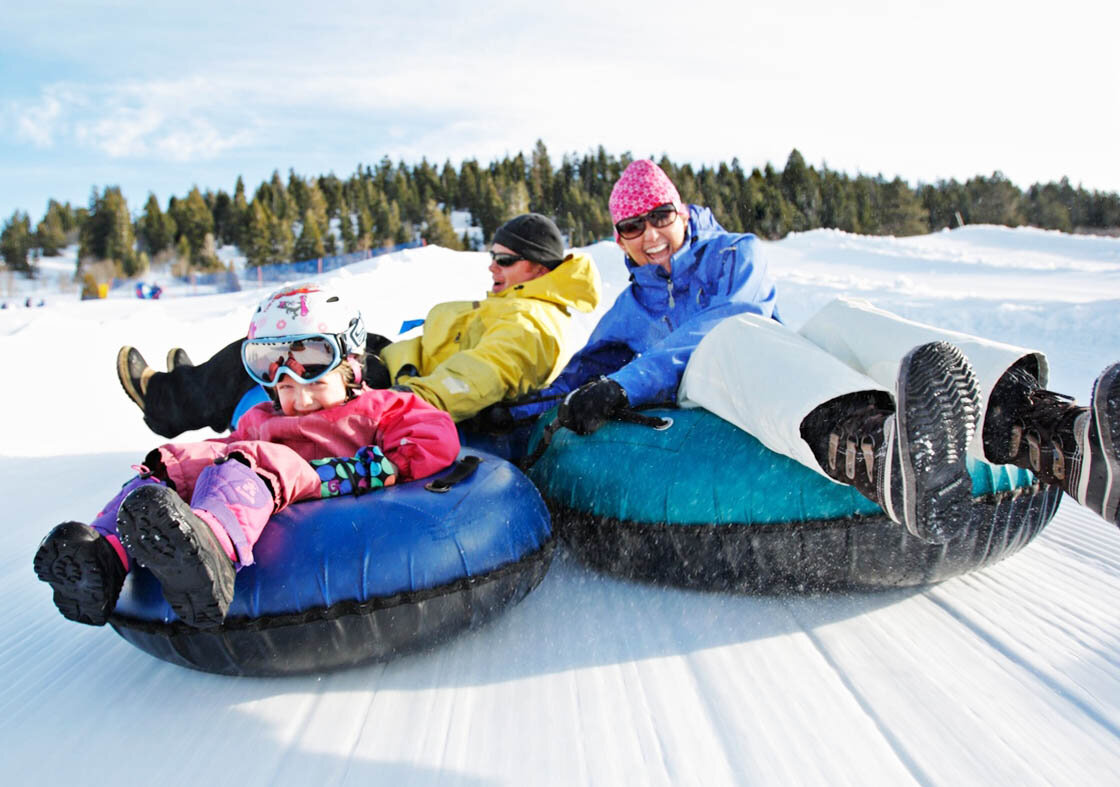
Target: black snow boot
x,y
177,357
159,531
910,459
194,397
1075,448
84,571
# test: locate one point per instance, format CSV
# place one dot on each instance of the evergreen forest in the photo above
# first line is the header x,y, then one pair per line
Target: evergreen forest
x,y
299,218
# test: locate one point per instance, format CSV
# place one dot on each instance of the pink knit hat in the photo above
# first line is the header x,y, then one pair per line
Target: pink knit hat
x,y
642,187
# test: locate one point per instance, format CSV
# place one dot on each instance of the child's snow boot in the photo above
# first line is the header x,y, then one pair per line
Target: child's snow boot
x,y
236,502
84,571
1075,448
911,461
85,565
193,549
161,532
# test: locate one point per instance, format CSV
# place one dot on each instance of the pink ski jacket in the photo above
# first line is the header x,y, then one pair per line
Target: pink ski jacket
x,y
416,437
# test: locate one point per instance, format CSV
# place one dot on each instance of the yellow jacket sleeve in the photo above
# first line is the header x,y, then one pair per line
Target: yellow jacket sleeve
x,y
400,354
514,355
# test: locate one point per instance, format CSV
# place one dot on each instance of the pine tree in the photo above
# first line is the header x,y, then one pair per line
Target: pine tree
x,y
156,229
207,257
194,221
491,211
225,221
183,255
402,230
331,188
449,185
240,211
280,204
50,233
901,212
800,187
994,200
297,189
15,243
257,240
280,240
310,243
317,207
107,233
540,181
346,228
365,238
438,229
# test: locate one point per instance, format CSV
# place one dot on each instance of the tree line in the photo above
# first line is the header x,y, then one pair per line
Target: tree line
x,y
299,217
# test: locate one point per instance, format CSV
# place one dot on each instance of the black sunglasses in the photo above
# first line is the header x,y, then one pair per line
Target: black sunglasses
x,y
505,260
661,216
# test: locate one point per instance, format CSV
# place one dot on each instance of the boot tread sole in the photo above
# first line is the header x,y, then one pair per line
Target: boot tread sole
x,y
161,533
85,586
937,415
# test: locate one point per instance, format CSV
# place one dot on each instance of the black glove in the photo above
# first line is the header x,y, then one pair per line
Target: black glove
x,y
375,343
376,373
591,405
495,419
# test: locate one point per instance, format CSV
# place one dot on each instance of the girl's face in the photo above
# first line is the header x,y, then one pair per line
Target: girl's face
x,y
303,398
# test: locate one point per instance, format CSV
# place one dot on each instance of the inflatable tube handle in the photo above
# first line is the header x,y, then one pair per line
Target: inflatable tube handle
x,y
462,470
634,417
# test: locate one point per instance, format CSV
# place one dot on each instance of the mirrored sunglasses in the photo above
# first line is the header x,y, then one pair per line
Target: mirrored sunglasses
x,y
505,260
661,216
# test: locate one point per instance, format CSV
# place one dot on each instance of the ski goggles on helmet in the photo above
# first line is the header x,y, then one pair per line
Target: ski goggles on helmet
x,y
659,217
305,358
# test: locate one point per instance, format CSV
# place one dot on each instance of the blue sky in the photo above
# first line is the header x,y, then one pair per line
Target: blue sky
x,y
157,97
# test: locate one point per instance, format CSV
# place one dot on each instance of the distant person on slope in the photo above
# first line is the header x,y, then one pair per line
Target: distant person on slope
x,y
195,510
471,353
860,395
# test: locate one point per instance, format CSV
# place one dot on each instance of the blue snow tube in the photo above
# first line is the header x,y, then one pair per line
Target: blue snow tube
x,y
342,581
703,504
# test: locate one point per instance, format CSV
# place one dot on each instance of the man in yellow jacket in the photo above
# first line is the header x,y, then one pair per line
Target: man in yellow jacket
x,y
470,355
476,353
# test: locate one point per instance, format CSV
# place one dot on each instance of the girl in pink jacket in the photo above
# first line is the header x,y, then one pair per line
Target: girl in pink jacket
x,y
324,434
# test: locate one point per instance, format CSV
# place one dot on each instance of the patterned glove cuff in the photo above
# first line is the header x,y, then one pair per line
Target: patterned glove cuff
x,y
366,471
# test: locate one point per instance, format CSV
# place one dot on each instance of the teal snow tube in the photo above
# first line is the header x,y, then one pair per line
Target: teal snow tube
x,y
703,504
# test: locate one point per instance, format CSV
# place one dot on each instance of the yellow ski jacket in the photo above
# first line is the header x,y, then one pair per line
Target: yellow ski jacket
x,y
475,353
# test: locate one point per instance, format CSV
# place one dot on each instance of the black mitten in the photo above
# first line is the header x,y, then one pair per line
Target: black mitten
x,y
495,419
591,405
375,343
376,373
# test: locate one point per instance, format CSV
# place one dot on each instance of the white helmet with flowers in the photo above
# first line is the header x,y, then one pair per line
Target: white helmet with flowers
x,y
304,331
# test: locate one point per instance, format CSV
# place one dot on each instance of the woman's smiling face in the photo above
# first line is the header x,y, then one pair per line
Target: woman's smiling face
x,y
656,246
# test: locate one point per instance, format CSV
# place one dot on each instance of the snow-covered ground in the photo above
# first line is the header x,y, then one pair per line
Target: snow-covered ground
x,y
1009,675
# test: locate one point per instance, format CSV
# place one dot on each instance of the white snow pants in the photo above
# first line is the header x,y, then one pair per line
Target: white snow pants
x,y
765,378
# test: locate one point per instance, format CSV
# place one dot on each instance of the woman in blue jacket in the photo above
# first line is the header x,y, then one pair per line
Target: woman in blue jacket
x,y
859,395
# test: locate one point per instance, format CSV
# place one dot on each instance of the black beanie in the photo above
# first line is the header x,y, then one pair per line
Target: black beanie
x,y
533,236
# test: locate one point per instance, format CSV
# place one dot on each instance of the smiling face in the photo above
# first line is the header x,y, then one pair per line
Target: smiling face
x,y
656,246
303,398
511,275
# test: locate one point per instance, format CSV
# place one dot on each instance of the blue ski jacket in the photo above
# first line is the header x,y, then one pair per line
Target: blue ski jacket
x,y
646,338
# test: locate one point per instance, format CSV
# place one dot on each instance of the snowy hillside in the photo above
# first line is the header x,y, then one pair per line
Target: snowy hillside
x,y
1009,675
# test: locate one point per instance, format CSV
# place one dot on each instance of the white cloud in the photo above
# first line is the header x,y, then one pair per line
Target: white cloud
x,y
945,88
175,120
38,123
